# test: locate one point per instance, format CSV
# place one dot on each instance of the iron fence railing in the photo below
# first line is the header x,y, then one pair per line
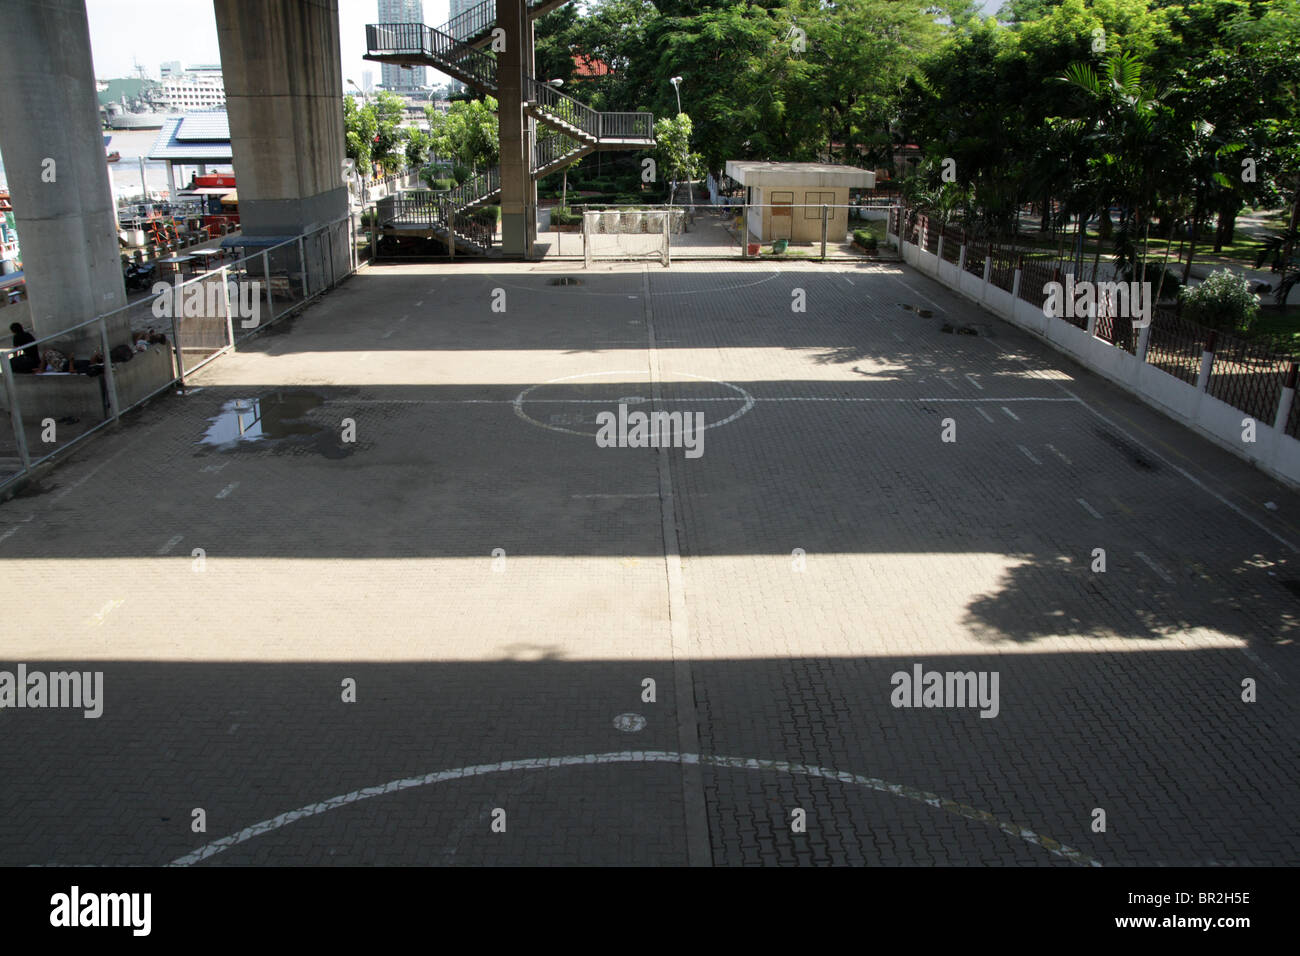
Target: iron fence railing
x,y
953,239
1175,345
561,108
627,126
114,362
472,23
1248,376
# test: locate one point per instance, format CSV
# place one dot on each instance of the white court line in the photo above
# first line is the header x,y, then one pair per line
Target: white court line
x,y
1010,412
388,333
848,280
647,495
932,800
225,492
1088,508
1052,449
897,336
687,401
916,293
1029,454
171,543
971,379
949,383
1259,662
987,416
1161,458
417,305
1154,567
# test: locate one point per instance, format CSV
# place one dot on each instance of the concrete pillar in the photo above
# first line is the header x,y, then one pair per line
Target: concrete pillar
x,y
284,100
516,178
1207,362
52,140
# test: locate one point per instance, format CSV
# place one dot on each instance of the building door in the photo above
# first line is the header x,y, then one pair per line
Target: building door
x,y
782,215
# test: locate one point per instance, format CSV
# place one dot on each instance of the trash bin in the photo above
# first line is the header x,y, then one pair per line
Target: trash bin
x,y
779,247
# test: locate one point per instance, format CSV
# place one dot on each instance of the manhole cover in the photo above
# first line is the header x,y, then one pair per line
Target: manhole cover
x,y
629,723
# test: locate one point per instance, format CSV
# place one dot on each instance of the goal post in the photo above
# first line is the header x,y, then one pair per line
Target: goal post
x,y
627,234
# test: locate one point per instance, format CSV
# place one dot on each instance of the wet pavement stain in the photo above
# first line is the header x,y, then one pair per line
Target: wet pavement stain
x,y
271,418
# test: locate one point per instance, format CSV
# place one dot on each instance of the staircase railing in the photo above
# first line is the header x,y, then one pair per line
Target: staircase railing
x,y
563,108
415,39
470,23
553,149
627,126
474,190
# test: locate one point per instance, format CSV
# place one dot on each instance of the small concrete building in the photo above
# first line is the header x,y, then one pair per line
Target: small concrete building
x,y
789,197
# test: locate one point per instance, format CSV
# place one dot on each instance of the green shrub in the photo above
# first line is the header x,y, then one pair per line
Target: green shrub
x,y
437,185
866,240
564,216
1222,301
487,215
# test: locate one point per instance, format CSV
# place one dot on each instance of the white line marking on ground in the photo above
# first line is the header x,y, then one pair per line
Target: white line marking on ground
x,y
418,304
214,468
171,543
1154,567
932,800
225,492
613,401
896,335
648,495
1052,449
1259,662
109,607
1029,454
949,383
971,379
987,416
1154,454
916,293
387,334
848,280
1010,412
1088,508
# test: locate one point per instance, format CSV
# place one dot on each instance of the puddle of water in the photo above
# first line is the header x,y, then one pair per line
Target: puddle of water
x,y
253,419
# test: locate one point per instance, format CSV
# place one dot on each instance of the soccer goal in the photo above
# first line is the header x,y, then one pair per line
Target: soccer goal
x,y
627,234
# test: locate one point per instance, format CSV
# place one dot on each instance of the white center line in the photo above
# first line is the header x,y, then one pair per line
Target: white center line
x,y
1029,454
1088,508
1010,412
171,543
986,415
225,492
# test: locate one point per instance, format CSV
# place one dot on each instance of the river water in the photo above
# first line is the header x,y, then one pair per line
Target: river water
x,y
133,144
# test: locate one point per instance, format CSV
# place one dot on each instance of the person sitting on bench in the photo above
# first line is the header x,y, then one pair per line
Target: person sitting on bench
x,y
30,357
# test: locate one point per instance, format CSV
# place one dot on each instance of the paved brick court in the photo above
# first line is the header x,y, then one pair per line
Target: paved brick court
x,y
500,588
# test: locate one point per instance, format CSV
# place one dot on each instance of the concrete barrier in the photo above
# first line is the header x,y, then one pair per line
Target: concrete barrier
x,y
82,396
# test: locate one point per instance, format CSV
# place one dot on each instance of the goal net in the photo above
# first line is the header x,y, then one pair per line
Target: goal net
x,y
627,234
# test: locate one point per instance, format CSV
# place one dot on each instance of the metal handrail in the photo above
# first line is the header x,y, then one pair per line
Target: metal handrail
x,y
472,22
562,107
453,56
627,126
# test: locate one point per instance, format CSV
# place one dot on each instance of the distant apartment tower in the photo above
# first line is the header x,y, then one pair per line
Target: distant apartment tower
x,y
457,8
396,77
367,81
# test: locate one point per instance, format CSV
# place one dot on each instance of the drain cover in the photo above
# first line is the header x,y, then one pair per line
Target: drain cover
x,y
629,723
565,280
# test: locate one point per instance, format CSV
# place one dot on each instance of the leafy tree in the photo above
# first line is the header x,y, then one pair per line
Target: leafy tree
x,y
673,149
467,133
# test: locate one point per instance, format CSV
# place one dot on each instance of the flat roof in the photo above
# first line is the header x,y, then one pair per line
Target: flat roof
x,y
799,174
199,137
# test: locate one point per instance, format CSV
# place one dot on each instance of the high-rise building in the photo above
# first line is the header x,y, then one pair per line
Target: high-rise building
x,y
457,8
368,81
394,77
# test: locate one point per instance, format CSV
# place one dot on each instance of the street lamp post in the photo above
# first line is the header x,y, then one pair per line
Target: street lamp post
x,y
676,81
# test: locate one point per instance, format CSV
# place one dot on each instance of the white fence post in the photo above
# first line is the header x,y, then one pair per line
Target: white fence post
x,y
15,413
110,381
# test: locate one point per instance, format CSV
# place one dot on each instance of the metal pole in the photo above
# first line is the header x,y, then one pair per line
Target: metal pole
x,y
266,277
176,350
825,224
744,229
110,381
668,241
302,264
225,298
15,414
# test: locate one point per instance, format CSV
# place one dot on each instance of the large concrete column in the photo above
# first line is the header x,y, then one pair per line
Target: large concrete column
x,y
284,99
53,146
515,173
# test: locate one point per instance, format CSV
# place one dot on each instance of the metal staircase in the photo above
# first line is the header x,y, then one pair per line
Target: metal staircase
x,y
456,49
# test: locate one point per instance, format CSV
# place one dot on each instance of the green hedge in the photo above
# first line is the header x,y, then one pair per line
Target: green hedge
x,y
866,240
563,216
440,184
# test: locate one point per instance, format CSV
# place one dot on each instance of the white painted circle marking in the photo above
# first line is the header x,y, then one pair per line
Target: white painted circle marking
x,y
1054,847
519,399
629,723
